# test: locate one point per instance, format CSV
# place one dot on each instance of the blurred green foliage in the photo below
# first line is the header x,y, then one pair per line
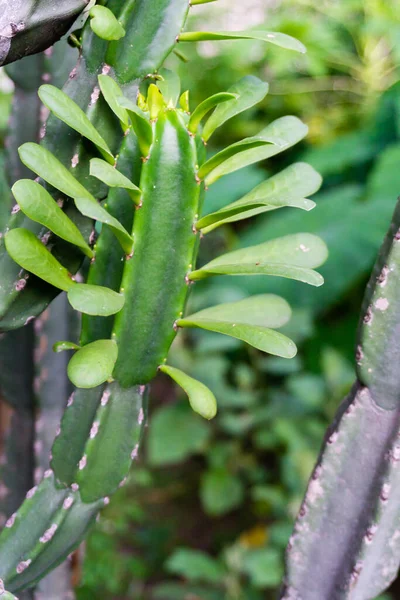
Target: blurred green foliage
x,y
207,514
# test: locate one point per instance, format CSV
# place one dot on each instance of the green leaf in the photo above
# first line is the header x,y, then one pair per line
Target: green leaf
x,y
276,137
64,345
140,124
272,37
195,565
95,300
287,188
70,113
38,205
113,178
200,112
105,25
169,86
263,566
250,91
249,320
29,252
93,364
220,492
112,92
155,101
201,399
164,446
50,169
91,208
292,256
184,101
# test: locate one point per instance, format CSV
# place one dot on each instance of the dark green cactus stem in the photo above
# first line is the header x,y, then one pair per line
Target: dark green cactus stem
x,y
346,541
30,26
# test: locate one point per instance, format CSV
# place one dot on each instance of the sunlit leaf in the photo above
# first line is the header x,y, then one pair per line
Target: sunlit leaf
x,y
250,91
201,399
292,256
200,112
290,187
29,252
272,37
70,113
104,24
112,92
93,210
113,178
93,364
276,137
39,206
155,101
249,320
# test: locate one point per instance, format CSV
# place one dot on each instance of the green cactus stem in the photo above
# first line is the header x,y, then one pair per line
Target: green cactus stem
x,y
345,543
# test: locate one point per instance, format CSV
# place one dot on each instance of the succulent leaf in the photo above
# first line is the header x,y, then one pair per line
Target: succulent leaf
x,y
200,112
201,399
93,364
292,256
112,92
104,23
140,124
39,206
249,90
272,37
113,178
30,253
95,299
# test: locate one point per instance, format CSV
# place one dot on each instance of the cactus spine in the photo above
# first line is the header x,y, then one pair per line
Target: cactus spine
x,y
345,543
146,194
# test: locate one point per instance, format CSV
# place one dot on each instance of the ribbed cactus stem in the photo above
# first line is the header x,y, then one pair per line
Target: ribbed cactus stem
x,y
346,540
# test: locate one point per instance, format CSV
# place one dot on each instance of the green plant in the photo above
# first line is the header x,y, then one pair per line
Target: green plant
x,y
153,173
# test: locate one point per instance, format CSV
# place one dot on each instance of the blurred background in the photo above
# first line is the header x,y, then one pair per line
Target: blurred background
x,y
207,512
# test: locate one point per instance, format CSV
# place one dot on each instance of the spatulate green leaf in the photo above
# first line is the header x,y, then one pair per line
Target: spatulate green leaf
x,y
95,300
292,256
140,124
250,91
201,399
90,208
112,92
39,206
104,24
200,112
272,37
93,364
29,252
70,113
273,139
50,169
113,178
290,187
249,320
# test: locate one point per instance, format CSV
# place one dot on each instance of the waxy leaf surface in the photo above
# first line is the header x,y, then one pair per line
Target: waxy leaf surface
x,y
140,124
272,140
70,113
292,256
201,399
272,37
287,188
112,93
104,24
250,91
95,300
93,364
111,177
38,205
249,320
200,112
29,252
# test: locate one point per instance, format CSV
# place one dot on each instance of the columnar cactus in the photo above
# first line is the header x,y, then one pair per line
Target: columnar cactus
x,y
345,543
123,195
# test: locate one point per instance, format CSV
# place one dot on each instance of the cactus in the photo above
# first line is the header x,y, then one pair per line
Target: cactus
x,y
28,27
134,165
345,543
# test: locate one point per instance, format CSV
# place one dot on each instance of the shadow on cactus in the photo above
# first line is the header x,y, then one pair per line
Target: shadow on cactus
x,y
144,196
